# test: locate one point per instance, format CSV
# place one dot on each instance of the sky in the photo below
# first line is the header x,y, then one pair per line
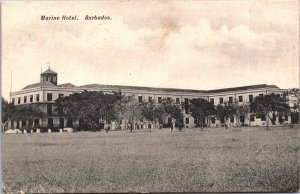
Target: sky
x,y
178,44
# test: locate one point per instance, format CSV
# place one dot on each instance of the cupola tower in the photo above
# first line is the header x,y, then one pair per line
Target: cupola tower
x,y
49,76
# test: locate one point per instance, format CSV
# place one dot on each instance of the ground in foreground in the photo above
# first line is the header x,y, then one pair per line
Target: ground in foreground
x,y
212,160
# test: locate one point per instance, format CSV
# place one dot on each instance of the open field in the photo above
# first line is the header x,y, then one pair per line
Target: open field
x,y
212,160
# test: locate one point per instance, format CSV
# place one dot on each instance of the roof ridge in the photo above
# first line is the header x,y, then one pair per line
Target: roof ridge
x,y
179,89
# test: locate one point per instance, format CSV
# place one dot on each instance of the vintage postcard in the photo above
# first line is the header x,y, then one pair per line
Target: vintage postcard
x,y
149,96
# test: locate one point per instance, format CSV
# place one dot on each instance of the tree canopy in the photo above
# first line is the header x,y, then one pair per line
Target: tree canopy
x,y
201,109
271,103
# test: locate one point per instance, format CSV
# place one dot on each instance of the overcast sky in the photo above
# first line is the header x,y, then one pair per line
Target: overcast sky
x,y
179,44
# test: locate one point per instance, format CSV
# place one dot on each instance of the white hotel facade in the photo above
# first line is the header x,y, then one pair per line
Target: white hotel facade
x,y
47,91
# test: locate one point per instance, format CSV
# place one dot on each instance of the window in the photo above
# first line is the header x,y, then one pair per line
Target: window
x,y
186,105
150,99
13,100
36,122
213,120
49,78
252,118
178,100
60,110
61,122
261,95
60,95
168,98
37,97
187,121
240,98
159,99
19,100
49,109
50,122
49,96
222,120
221,100
230,99
286,118
54,78
212,101
31,98
232,119
140,98
284,95
250,98
25,99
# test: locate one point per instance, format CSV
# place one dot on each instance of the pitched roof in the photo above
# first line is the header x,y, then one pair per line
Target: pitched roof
x,y
120,87
69,85
49,71
242,88
39,84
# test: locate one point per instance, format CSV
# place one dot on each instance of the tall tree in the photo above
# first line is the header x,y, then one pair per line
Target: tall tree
x,y
69,106
132,112
201,109
270,104
28,113
119,107
242,111
8,110
148,111
173,110
159,115
294,97
225,111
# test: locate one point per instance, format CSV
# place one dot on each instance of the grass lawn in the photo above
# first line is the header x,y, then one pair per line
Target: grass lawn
x,y
212,160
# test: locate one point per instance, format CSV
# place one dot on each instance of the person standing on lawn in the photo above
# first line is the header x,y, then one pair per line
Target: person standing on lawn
x,y
172,125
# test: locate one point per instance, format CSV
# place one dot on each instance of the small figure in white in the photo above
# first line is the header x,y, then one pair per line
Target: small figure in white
x,y
172,125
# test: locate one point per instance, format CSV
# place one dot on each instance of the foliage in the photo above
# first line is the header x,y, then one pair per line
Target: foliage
x,y
241,110
26,112
132,112
8,110
271,103
89,106
173,110
294,95
225,111
201,109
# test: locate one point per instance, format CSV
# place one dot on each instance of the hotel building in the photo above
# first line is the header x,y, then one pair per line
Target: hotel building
x,y
47,91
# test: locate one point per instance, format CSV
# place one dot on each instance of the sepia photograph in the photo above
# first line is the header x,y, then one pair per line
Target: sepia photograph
x,y
150,96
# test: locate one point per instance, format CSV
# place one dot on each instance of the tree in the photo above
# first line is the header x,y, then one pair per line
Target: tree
x,y
294,95
173,110
200,110
89,107
294,98
28,113
242,110
119,107
225,111
69,106
8,110
148,111
159,115
271,103
132,112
